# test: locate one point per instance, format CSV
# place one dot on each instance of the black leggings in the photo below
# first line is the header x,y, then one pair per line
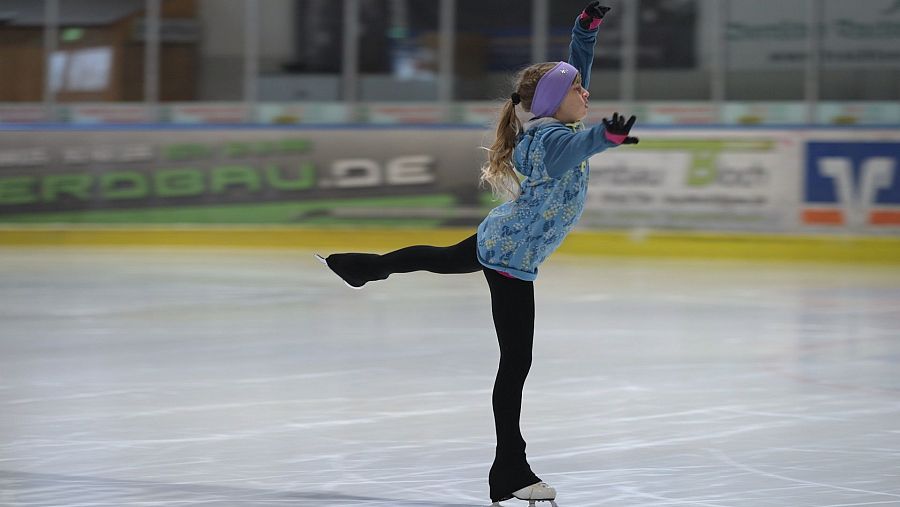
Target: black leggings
x,y
512,306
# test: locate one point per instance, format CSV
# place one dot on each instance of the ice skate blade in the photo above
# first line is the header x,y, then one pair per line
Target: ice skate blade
x,y
531,503
323,261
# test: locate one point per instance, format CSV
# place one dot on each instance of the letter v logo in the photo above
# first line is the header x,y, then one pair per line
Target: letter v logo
x,y
855,201
852,184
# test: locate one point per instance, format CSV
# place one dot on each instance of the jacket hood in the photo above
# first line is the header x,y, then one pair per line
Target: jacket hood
x,y
539,122
524,163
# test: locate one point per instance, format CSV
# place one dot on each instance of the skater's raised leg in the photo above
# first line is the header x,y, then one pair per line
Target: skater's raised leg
x,y
357,269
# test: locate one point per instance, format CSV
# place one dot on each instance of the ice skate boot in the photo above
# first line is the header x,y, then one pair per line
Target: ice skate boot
x,y
347,267
538,492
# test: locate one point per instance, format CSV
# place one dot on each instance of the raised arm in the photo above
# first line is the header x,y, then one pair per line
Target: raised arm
x,y
584,36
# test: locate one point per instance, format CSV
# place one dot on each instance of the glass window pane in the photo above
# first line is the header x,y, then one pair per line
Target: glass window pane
x,y
860,59
668,64
22,51
301,50
318,28
221,60
668,67
766,48
100,55
398,52
493,41
87,65
181,39
604,83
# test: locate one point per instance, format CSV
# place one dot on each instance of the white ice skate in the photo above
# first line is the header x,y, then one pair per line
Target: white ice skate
x,y
323,261
538,492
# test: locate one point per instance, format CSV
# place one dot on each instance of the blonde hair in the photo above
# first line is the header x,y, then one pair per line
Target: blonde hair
x,y
499,170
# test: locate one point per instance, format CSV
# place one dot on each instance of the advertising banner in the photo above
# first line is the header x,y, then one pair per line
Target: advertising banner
x,y
241,176
738,179
23,113
99,114
205,113
695,181
852,184
304,112
864,113
403,113
476,113
767,113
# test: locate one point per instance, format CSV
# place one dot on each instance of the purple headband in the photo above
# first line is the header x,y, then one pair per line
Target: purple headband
x,y
552,89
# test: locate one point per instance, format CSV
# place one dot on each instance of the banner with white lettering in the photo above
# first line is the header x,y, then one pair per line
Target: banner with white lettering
x,y
343,176
736,179
727,181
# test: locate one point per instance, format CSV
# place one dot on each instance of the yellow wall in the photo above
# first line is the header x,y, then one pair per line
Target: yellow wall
x,y
868,250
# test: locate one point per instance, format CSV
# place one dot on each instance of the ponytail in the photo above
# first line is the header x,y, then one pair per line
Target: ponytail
x,y
499,171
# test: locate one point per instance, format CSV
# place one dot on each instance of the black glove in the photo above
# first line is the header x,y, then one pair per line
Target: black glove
x,y
617,130
592,15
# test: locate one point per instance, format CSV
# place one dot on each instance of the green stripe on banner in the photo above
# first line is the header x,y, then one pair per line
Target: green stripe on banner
x,y
255,213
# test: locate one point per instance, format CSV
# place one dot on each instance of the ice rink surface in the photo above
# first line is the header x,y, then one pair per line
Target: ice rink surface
x,y
256,378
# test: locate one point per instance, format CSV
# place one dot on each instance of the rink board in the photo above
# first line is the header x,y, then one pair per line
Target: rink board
x,y
806,193
756,247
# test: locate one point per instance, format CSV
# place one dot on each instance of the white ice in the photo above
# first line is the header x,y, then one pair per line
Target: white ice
x,y
256,378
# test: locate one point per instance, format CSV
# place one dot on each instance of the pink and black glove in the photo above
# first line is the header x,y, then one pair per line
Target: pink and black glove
x,y
617,130
592,15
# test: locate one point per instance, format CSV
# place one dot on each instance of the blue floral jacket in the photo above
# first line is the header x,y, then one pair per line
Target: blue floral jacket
x,y
517,236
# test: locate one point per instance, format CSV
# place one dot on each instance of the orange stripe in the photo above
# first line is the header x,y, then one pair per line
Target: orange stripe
x,y
823,217
885,218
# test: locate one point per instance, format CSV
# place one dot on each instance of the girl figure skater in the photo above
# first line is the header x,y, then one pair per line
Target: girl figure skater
x,y
551,151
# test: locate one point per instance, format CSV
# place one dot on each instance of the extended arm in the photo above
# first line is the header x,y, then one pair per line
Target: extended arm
x,y
566,149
